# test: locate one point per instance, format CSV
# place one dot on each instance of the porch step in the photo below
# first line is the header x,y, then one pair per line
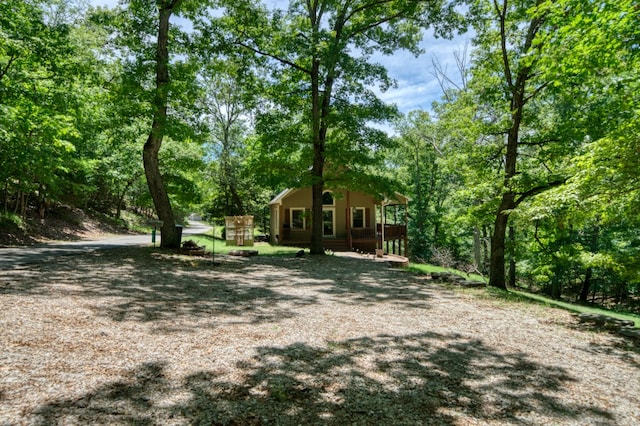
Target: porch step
x,y
336,245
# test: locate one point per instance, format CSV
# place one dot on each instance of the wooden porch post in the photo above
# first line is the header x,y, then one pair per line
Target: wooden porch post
x,y
281,224
348,219
382,226
406,231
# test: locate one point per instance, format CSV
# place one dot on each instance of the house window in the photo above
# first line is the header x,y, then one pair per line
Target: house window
x,y
327,199
328,223
297,219
357,217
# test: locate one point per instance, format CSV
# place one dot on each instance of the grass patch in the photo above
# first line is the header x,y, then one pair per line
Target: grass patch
x,y
524,297
221,247
424,268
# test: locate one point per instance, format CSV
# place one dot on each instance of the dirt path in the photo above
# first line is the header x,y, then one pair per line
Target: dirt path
x,y
140,336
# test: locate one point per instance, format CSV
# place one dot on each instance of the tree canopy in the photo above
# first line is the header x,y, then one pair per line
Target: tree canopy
x,y
526,171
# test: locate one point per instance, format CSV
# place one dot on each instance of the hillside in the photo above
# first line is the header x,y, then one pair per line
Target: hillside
x,y
62,223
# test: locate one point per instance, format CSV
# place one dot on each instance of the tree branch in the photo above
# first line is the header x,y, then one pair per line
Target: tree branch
x,y
277,58
502,14
537,190
4,71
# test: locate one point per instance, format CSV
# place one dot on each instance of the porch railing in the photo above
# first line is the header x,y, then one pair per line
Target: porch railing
x,y
393,232
363,234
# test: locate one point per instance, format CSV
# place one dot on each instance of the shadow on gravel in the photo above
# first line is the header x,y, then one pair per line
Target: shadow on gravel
x,y
417,379
142,284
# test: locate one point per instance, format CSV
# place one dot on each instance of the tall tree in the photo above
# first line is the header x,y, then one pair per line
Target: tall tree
x,y
170,237
311,49
228,107
507,76
592,57
159,77
46,70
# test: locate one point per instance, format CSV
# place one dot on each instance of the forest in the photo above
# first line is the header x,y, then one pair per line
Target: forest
x,y
526,170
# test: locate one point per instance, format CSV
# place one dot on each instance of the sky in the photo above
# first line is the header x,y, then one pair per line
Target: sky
x,y
417,88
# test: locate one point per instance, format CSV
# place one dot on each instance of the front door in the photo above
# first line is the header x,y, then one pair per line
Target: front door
x,y
328,223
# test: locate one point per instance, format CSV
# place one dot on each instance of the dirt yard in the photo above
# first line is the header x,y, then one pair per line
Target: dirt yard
x,y
137,336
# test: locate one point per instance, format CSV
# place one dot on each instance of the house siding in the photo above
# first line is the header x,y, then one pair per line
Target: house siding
x,y
302,198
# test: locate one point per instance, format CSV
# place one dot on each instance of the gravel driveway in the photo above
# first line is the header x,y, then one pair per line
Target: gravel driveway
x,y
143,336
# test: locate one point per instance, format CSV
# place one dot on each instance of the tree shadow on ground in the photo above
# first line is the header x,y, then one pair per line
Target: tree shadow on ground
x,y
136,284
425,378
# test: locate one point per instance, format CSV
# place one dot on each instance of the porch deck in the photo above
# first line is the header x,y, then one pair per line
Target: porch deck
x,y
362,239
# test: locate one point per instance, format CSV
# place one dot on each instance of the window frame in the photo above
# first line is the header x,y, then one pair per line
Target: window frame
x,y
302,211
333,222
333,198
364,217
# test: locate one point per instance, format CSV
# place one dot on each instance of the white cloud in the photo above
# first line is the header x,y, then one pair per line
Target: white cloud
x,y
417,87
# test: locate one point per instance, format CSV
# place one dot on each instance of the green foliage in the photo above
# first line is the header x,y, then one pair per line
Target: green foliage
x,y
320,99
257,97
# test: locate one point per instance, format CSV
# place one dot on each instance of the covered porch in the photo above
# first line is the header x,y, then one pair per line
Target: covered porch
x,y
385,228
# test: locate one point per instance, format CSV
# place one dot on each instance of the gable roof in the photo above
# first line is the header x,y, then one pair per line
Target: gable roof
x,y
399,198
281,196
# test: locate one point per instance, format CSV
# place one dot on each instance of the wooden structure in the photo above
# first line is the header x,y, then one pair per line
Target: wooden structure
x,y
392,226
352,220
238,230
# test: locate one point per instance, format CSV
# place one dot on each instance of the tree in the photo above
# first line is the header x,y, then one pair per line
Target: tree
x,y
310,51
506,76
161,85
592,60
47,77
420,163
228,107
169,234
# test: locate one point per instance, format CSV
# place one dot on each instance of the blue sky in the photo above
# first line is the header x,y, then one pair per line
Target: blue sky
x,y
417,88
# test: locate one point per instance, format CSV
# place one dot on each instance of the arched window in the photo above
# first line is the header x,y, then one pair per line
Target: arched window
x,y
327,199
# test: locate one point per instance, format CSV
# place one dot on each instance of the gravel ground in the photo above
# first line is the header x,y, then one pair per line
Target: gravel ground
x,y
141,336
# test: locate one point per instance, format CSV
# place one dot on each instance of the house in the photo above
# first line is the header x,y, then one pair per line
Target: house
x,y
352,220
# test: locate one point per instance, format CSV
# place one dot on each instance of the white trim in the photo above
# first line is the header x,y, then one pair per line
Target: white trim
x,y
333,198
282,195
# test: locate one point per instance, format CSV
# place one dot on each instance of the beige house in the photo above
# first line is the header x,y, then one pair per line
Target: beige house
x,y
352,220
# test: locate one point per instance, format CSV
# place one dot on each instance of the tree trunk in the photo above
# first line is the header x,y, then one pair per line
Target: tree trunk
x,y
586,284
317,169
235,197
477,257
556,287
485,248
496,267
169,234
512,256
